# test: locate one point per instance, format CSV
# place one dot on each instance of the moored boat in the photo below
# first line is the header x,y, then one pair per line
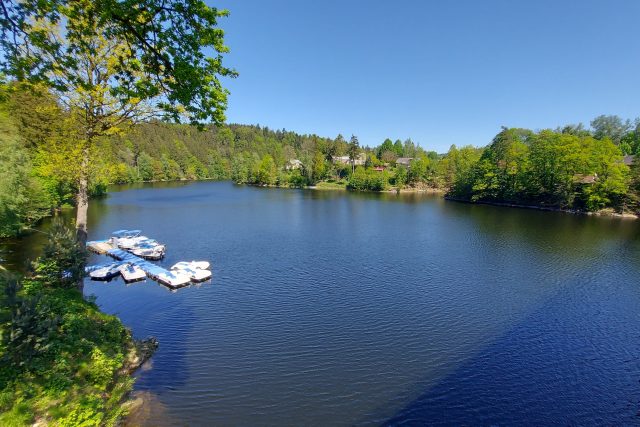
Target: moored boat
x,y
132,273
105,272
174,278
202,265
149,252
196,274
131,242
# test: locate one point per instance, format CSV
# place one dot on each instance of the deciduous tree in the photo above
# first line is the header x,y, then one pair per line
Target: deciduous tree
x,y
114,62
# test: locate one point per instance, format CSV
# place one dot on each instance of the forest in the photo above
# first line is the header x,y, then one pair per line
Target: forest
x,y
570,168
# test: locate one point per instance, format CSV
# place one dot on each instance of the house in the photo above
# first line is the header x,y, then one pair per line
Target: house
x,y
585,179
379,168
344,160
293,164
628,159
404,161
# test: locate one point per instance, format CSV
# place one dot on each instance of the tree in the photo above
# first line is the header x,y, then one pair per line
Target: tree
x,y
358,179
409,149
353,150
388,156
319,168
501,172
612,127
116,62
266,171
145,166
417,171
387,145
630,143
22,200
400,178
398,148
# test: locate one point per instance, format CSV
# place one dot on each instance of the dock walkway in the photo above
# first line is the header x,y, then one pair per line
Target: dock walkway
x,y
153,271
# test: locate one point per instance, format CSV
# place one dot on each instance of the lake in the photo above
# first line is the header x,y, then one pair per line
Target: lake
x,y
336,308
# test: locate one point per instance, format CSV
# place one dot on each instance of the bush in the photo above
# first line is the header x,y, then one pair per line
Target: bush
x,y
61,359
63,261
368,180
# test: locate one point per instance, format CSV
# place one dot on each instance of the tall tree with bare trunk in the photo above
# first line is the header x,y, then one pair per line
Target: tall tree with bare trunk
x,y
113,63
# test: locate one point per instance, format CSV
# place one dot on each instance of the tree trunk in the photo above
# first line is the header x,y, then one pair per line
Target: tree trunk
x,y
82,205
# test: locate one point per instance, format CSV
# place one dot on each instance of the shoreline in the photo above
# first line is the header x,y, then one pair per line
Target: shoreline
x,y
601,213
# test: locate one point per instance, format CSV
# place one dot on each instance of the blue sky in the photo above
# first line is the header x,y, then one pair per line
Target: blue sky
x,y
439,72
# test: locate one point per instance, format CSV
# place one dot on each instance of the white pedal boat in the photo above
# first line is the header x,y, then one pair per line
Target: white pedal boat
x,y
151,252
174,278
106,272
196,274
202,265
131,242
132,273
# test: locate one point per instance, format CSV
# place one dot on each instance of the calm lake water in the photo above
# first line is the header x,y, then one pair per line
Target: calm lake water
x,y
334,308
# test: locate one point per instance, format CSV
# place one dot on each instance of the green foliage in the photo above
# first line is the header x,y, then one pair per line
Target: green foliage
x,y
61,358
164,57
297,180
319,168
400,178
368,180
353,149
22,200
265,172
28,326
386,146
63,260
519,166
612,127
562,169
398,148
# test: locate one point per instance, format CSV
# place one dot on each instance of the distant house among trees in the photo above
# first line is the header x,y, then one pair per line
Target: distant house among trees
x,y
404,161
628,159
344,160
293,164
585,179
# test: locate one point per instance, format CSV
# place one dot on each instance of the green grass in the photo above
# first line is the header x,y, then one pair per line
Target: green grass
x,y
331,185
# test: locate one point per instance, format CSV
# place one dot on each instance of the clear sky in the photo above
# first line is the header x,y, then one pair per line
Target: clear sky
x,y
440,72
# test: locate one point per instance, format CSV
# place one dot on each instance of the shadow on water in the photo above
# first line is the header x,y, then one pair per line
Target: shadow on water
x,y
571,235
550,369
16,254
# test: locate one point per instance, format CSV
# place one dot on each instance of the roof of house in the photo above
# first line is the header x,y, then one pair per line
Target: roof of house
x,y
628,159
404,160
585,179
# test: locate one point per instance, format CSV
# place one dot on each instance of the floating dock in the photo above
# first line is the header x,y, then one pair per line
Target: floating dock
x,y
171,279
100,247
153,271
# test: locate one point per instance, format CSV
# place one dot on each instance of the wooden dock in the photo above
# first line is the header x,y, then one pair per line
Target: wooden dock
x,y
99,246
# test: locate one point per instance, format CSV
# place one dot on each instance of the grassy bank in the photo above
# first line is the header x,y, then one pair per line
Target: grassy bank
x,y
333,185
64,362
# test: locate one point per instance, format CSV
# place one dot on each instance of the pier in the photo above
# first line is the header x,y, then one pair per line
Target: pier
x,y
170,278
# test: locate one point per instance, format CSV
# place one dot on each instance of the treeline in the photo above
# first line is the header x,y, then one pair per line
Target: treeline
x,y
571,167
